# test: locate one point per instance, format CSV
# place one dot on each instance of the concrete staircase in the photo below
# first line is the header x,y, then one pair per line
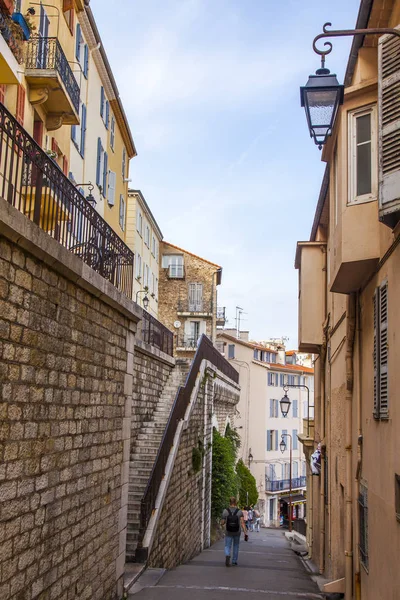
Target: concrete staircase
x,y
145,450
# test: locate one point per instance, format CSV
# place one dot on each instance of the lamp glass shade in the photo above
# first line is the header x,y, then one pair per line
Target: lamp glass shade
x,y
146,302
285,405
91,199
321,98
282,446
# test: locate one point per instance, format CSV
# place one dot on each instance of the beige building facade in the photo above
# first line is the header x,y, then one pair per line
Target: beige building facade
x,y
349,292
188,297
263,374
144,236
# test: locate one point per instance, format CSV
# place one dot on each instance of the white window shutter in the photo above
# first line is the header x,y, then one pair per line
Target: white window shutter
x,y
389,128
383,351
111,188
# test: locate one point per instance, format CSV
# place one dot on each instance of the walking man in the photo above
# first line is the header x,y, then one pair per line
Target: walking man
x,y
232,517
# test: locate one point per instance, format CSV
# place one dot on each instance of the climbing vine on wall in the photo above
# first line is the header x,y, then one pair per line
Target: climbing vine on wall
x,y
224,477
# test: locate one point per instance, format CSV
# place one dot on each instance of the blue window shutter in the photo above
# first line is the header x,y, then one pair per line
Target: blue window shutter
x,y
102,102
83,131
276,441
107,113
86,61
78,42
269,439
271,408
73,133
294,438
98,167
105,173
295,408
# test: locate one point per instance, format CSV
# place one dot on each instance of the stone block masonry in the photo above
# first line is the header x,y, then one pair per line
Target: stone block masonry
x,y
66,379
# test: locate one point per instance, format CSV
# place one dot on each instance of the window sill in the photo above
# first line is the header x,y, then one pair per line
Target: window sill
x,y
363,200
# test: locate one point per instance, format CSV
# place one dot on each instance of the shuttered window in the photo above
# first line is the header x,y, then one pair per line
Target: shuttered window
x,y
102,101
20,112
99,174
381,388
83,132
105,174
86,61
112,133
122,223
195,297
389,128
111,188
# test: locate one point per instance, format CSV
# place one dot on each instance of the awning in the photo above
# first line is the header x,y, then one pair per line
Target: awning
x,y
296,499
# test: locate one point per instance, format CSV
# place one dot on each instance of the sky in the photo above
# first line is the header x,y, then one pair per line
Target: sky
x,y
225,161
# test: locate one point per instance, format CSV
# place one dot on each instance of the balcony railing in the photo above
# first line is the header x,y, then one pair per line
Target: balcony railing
x,y
202,306
13,43
156,334
187,341
284,484
221,313
35,185
47,54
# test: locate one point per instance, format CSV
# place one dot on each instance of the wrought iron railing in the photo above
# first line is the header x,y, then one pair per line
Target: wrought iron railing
x,y
221,313
187,341
13,43
278,485
46,53
156,334
205,351
34,184
202,306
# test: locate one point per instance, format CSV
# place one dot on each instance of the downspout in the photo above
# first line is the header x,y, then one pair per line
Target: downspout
x,y
322,413
359,454
348,541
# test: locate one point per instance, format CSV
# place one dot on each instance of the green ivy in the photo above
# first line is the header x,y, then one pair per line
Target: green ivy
x,y
224,478
248,494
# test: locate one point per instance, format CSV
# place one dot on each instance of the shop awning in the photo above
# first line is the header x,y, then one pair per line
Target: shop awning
x,y
296,499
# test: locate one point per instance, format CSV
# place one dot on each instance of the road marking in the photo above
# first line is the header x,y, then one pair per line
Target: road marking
x,y
216,588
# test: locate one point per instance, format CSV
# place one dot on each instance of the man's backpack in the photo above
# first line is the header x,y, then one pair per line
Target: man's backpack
x,y
232,521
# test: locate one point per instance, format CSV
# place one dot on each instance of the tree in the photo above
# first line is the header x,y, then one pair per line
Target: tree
x,y
248,494
224,478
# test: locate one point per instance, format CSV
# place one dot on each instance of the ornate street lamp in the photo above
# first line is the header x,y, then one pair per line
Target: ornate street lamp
x,y
282,446
322,95
285,403
146,302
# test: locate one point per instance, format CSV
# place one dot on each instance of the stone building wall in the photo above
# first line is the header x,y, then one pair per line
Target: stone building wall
x,y
184,526
67,341
197,270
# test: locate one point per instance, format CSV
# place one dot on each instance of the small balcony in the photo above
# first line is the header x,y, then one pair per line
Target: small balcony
x,y
200,308
187,342
283,485
221,318
11,49
52,82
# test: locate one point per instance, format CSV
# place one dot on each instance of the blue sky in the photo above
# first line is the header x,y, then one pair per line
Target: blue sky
x,y
211,91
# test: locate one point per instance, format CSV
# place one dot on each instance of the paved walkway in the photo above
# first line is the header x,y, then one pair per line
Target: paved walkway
x,y
268,569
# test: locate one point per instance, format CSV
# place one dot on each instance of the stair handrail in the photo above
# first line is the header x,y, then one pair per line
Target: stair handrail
x,y
205,351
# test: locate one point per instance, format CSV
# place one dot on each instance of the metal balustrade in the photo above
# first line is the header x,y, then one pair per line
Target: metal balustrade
x,y
278,485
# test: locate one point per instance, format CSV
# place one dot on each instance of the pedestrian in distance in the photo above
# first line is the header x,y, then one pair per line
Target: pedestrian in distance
x,y
257,518
250,518
232,519
245,517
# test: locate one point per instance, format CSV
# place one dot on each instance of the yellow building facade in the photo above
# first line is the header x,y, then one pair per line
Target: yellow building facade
x,y
349,293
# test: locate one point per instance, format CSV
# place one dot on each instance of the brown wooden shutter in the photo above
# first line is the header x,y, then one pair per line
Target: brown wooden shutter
x,y
65,165
20,105
389,128
2,92
383,351
376,354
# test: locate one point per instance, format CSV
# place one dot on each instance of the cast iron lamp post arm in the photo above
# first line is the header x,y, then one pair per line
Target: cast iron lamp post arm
x,y
347,32
300,385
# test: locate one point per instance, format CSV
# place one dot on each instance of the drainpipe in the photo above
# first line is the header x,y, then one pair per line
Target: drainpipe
x,y
322,480
348,541
357,578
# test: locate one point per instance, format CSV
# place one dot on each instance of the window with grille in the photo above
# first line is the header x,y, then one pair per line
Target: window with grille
x,y
381,391
363,514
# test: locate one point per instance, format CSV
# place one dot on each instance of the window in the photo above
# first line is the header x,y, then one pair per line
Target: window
x,y
295,441
102,103
111,188
295,408
79,44
145,275
138,266
273,357
195,297
20,112
123,163
194,328
174,263
153,283
255,354
68,10
82,131
363,155
153,246
295,469
381,392
273,379
363,519
231,350
290,379
100,163
86,61
139,221
273,408
105,174
282,380
107,114
112,133
272,439
122,213
147,236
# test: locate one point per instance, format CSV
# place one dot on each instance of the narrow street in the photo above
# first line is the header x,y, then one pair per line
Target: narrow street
x,y
267,568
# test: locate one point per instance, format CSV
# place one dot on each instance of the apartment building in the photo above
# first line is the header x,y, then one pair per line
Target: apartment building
x,y
144,236
188,297
56,80
264,374
348,315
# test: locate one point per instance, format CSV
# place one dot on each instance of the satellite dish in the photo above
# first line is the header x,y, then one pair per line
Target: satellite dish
x,y
177,324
